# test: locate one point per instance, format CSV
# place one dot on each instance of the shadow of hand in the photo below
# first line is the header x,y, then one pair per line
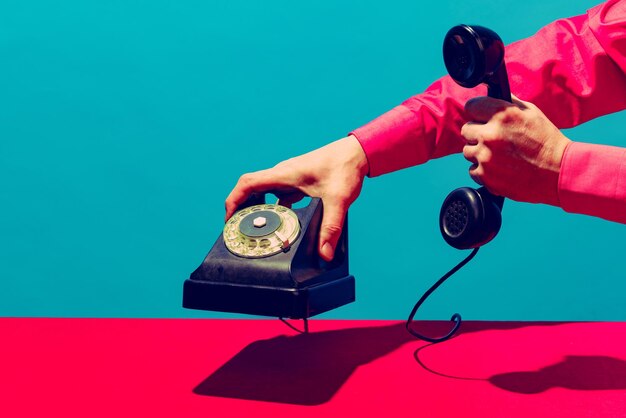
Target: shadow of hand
x,y
575,372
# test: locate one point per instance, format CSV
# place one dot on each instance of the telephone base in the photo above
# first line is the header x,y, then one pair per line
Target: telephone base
x,y
294,303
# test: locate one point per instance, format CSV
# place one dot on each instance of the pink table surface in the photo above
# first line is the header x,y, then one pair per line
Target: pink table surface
x,y
260,368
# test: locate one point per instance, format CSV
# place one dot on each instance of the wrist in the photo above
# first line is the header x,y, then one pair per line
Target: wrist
x,y
357,156
554,168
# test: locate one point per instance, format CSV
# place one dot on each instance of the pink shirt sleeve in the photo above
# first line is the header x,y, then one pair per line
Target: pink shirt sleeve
x,y
574,70
593,181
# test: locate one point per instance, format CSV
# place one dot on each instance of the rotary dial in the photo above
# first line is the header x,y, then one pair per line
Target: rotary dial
x,y
261,230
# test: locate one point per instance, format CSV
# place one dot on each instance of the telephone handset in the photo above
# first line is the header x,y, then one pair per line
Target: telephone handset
x,y
470,218
266,262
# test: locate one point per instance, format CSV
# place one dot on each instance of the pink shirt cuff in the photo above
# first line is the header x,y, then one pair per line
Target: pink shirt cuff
x,y
593,181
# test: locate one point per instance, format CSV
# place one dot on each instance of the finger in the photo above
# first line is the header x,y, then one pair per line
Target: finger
x,y
287,199
482,109
471,132
260,181
470,153
330,230
475,172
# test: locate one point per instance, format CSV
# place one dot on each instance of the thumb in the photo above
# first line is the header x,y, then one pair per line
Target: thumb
x,y
330,230
481,109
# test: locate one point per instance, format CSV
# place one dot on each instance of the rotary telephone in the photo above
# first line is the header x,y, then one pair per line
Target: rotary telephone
x,y
266,263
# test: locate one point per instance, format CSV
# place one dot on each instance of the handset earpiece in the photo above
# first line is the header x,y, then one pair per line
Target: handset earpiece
x,y
475,55
470,218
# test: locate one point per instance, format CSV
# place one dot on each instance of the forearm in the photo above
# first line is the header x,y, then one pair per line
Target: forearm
x,y
571,69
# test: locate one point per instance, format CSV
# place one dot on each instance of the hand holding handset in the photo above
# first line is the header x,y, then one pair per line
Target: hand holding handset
x,y
469,218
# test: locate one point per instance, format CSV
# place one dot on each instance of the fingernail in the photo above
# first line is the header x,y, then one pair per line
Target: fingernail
x,y
327,251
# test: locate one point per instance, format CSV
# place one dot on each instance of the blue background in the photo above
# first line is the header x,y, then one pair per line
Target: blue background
x,y
124,125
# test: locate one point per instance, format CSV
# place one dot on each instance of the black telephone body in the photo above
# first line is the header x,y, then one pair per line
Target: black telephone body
x,y
294,283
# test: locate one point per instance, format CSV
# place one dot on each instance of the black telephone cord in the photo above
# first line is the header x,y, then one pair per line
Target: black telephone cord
x,y
456,318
